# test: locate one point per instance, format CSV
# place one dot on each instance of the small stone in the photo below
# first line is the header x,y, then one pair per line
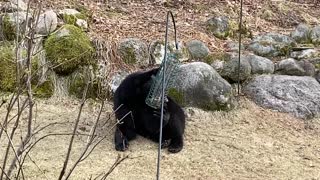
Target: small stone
x,y
197,49
47,23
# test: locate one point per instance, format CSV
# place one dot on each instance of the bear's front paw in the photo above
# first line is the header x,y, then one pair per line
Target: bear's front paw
x,y
174,148
122,145
165,144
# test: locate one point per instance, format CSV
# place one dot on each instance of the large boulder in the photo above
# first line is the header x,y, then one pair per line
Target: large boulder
x,y
199,85
67,49
272,45
133,51
48,22
315,35
197,49
293,67
297,95
301,34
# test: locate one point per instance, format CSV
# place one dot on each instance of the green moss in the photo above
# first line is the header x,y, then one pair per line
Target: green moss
x,y
8,68
85,12
45,90
234,30
177,96
72,19
129,55
284,51
216,56
9,29
78,84
208,106
66,53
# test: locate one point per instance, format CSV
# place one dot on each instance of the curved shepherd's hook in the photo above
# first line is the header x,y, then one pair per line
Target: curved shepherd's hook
x,y
169,14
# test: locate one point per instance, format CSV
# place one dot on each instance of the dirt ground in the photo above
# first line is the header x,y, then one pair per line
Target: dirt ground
x,y
246,143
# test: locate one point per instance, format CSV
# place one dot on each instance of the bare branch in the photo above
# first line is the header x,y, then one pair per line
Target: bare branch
x,y
89,142
84,98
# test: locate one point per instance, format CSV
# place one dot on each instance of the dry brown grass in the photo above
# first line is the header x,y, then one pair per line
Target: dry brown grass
x,y
145,19
248,142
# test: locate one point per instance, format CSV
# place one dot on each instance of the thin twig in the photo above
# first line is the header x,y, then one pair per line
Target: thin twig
x,y
89,142
38,167
65,164
116,163
5,173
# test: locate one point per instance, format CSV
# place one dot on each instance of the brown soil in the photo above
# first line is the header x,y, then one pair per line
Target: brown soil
x,y
248,142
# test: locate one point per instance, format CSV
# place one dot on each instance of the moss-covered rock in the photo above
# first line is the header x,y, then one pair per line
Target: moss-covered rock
x,y
67,49
74,17
8,25
7,28
78,82
133,51
8,72
219,27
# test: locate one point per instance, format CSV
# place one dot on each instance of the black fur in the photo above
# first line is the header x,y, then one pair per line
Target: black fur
x,y
144,120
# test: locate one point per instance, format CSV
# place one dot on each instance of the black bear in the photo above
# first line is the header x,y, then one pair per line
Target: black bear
x,y
136,117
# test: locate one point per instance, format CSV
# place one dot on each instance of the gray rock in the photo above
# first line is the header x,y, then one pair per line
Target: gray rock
x,y
230,68
199,85
82,24
133,51
197,49
69,12
116,80
315,62
301,34
47,23
315,35
13,6
271,45
317,76
218,65
260,65
219,26
299,96
293,67
234,46
305,54
157,51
